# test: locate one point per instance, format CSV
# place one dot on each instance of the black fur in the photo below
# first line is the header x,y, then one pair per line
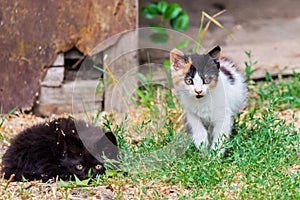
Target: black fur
x,y
54,149
206,65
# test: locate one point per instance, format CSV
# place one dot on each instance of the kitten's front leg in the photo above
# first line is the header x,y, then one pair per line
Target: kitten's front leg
x,y
221,132
199,132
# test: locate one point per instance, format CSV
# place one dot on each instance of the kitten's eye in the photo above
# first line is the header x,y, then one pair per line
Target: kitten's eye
x,y
98,167
79,167
189,81
206,80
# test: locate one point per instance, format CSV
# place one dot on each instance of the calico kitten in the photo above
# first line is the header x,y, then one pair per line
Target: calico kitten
x,y
211,90
57,149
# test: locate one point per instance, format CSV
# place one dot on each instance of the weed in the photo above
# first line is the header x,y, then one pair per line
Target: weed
x,y
3,117
285,92
249,66
77,183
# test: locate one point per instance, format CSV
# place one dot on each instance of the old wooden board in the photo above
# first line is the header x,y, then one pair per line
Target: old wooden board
x,y
72,97
33,32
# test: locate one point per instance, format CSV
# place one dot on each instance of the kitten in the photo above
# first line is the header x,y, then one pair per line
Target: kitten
x,y
212,91
58,149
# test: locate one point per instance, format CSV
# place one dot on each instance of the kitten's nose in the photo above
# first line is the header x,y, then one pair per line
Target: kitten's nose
x,y
198,91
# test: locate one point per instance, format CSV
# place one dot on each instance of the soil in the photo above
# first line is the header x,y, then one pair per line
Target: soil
x,y
250,22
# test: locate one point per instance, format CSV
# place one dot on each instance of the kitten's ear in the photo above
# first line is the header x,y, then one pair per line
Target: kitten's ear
x,y
111,137
215,52
179,61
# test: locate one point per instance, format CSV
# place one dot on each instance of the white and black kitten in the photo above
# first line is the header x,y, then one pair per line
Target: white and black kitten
x,y
211,90
58,149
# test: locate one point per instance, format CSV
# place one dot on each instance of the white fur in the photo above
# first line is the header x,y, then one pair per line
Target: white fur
x,y
210,117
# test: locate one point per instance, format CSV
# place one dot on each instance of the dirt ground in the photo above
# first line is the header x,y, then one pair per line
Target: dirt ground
x,y
245,18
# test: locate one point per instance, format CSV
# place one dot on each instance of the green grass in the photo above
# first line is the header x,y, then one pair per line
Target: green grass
x,y
283,92
286,92
4,117
259,159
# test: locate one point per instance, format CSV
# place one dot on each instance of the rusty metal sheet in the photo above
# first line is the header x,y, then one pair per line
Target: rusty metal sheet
x,y
33,32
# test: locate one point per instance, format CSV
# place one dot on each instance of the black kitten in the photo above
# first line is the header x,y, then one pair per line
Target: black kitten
x,y
60,148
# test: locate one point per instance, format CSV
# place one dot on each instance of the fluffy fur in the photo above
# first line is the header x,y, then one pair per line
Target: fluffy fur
x,y
211,90
56,149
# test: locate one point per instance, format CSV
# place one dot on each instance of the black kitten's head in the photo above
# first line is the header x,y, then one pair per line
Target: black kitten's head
x,y
83,146
82,164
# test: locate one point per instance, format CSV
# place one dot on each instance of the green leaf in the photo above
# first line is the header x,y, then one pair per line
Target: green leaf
x,y
159,38
24,179
99,87
181,22
167,64
63,183
2,119
157,28
86,181
184,43
79,182
142,78
172,11
141,94
111,172
149,11
162,7
146,13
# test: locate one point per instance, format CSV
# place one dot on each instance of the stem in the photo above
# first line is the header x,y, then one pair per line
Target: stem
x,y
202,31
162,21
199,33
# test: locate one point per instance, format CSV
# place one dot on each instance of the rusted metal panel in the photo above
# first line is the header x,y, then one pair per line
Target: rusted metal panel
x,y
32,33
